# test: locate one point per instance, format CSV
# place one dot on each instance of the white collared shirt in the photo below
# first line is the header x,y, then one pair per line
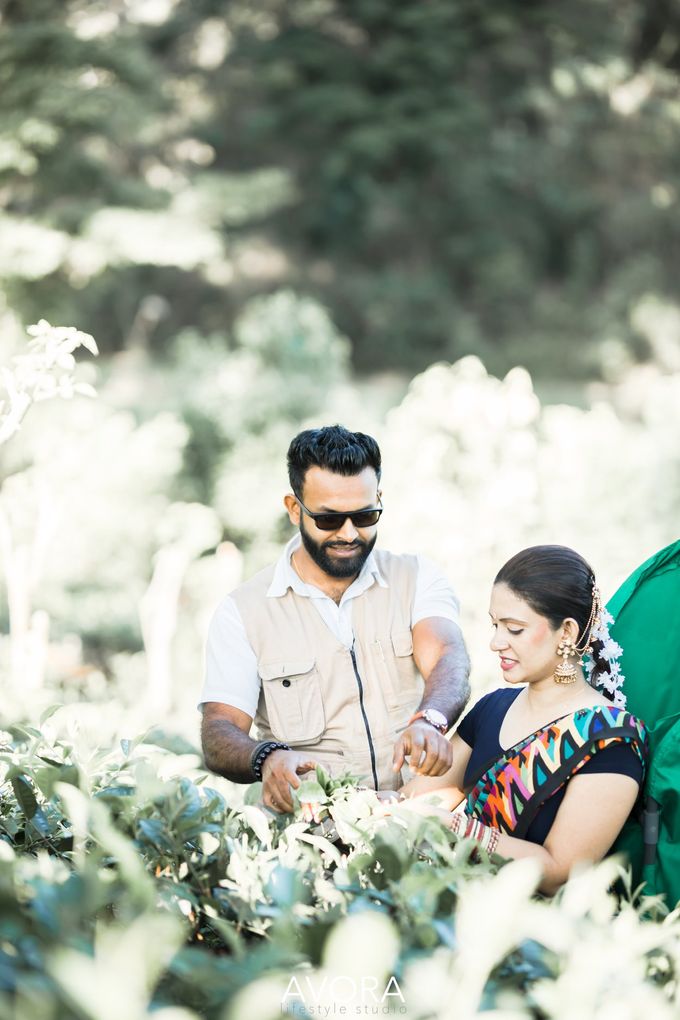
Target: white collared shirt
x,y
231,675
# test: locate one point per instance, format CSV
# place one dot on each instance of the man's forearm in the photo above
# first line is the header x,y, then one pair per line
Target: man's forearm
x,y
447,687
227,750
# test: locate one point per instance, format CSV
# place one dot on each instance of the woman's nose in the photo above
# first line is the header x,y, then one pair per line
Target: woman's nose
x,y
498,642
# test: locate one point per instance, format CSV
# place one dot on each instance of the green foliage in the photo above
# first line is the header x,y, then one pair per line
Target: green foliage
x,y
174,462
461,170
69,101
125,882
44,371
491,470
446,178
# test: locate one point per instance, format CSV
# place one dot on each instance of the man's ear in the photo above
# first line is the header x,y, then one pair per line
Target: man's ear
x,y
293,509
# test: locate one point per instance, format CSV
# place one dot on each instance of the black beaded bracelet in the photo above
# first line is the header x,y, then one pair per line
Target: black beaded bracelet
x,y
261,753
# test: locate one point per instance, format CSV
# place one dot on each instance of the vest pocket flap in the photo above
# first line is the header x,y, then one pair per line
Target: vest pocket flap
x,y
293,709
402,642
278,670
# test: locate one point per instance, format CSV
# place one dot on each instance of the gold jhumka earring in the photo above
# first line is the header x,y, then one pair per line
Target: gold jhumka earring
x,y
566,672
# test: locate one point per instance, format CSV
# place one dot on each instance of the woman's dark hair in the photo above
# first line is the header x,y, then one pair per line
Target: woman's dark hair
x,y
334,448
557,583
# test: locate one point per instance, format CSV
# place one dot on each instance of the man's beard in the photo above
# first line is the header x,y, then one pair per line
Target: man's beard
x,y
340,568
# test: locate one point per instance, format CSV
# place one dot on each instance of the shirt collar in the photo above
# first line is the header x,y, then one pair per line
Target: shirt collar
x,y
285,576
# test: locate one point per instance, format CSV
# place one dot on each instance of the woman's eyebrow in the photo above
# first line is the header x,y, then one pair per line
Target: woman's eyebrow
x,y
510,619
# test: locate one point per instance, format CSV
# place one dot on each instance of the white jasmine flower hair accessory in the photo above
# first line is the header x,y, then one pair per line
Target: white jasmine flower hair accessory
x,y
602,661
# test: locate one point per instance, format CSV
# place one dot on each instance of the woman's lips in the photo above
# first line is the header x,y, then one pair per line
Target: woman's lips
x,y
507,664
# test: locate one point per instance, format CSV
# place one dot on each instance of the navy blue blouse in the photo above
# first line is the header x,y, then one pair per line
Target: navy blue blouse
x,y
480,729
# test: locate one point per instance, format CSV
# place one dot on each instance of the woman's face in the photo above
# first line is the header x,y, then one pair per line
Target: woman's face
x,y
525,642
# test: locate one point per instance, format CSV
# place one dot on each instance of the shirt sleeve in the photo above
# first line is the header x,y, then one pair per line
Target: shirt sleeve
x,y
467,727
434,596
231,675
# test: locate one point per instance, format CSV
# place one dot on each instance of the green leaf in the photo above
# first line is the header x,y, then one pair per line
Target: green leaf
x,y
256,819
324,845
27,732
253,794
286,887
173,742
153,831
23,791
48,713
310,791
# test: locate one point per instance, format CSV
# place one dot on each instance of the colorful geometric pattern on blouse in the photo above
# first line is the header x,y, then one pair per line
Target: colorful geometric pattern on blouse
x,y
510,791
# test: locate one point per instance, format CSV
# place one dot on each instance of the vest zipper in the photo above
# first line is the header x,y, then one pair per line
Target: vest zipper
x,y
365,718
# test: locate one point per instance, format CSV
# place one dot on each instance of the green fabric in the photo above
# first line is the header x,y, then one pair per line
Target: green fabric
x,y
663,876
646,611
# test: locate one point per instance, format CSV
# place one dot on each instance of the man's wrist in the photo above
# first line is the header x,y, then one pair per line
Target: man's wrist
x,y
433,717
260,754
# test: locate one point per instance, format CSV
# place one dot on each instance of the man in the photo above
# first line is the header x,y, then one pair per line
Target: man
x,y
345,657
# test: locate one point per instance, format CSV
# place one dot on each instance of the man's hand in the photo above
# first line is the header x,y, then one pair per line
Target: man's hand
x,y
428,750
279,772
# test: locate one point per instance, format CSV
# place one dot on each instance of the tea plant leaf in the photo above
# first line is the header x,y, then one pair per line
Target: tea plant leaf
x,y
48,713
330,852
256,820
25,796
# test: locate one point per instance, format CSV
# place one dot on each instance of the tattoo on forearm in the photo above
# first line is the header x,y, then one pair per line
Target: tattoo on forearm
x,y
447,688
227,750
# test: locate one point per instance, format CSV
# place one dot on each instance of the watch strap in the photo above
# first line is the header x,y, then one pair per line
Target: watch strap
x,y
440,727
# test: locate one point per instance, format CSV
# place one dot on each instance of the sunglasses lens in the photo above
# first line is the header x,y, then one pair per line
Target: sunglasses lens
x,y
365,518
333,522
329,522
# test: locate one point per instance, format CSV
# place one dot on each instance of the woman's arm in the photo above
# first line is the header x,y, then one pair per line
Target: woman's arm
x,y
593,812
449,787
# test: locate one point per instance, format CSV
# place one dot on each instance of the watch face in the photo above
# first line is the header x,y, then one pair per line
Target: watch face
x,y
436,718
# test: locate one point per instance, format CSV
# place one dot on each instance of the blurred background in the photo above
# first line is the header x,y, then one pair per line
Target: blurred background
x,y
451,224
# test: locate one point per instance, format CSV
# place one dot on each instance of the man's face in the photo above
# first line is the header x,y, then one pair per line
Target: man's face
x,y
340,553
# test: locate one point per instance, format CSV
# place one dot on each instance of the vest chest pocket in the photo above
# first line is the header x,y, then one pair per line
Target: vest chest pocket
x,y
408,684
292,696
399,679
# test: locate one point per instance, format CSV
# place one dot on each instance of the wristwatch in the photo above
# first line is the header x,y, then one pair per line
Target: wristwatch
x,y
433,717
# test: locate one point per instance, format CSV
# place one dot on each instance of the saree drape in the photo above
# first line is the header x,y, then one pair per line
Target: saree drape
x,y
509,791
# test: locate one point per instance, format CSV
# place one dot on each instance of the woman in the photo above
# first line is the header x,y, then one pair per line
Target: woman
x,y
552,767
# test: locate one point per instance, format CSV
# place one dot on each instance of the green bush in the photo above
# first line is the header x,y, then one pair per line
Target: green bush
x,y
132,882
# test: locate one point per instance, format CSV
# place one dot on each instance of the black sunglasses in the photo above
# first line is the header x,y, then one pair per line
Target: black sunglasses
x,y
333,521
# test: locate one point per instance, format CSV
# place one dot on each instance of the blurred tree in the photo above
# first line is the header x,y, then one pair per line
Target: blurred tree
x,y
445,177
470,178
105,505
44,370
76,104
491,471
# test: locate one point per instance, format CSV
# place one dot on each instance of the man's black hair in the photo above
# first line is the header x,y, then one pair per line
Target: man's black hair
x,y
334,448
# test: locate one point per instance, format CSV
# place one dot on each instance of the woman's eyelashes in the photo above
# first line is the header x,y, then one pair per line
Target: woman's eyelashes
x,y
509,629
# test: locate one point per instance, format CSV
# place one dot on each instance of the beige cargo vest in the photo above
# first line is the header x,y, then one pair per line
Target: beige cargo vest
x,y
346,708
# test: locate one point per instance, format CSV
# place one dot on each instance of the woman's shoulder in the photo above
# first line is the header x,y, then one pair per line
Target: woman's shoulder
x,y
501,697
615,714
490,707
625,748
